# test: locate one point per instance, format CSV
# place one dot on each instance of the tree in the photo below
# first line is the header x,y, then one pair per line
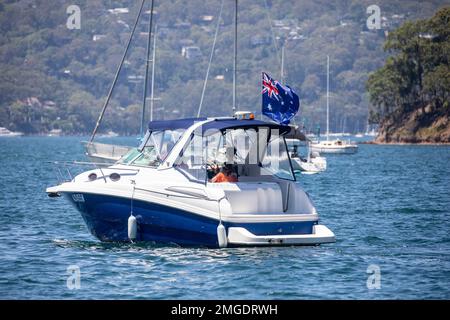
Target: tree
x,y
417,73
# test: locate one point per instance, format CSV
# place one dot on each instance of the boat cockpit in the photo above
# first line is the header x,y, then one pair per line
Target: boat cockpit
x,y
252,150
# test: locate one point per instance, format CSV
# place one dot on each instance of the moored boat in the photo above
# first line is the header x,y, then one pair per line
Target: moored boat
x,y
312,163
335,146
332,146
164,192
7,133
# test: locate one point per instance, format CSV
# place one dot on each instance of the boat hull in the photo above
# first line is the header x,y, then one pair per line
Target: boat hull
x,y
335,150
107,219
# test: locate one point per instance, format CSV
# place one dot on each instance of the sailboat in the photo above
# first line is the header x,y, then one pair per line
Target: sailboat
x,y
102,153
332,146
311,164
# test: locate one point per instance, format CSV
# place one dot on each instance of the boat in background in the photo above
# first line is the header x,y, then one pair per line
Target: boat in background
x,y
371,133
311,164
335,146
7,133
332,146
103,153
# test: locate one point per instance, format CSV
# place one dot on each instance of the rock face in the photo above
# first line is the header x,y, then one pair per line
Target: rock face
x,y
425,125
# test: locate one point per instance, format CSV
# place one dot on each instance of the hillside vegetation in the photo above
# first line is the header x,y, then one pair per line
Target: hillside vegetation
x,y
52,77
410,93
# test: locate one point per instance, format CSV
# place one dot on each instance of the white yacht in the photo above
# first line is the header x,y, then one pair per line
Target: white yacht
x,y
7,133
163,191
332,146
335,146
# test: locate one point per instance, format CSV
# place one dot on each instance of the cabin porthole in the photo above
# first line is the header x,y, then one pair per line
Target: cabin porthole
x,y
114,176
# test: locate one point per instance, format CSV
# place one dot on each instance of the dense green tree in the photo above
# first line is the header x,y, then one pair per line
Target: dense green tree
x,y
417,74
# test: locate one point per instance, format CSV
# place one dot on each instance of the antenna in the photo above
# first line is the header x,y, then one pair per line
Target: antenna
x,y
235,54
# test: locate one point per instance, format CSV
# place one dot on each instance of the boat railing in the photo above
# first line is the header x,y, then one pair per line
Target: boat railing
x,y
66,170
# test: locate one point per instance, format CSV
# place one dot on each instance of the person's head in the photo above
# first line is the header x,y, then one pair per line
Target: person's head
x,y
227,169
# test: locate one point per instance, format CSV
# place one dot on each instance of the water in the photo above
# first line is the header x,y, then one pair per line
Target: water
x,y
389,206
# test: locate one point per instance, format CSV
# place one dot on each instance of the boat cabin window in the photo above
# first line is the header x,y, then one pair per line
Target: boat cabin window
x,y
276,159
155,148
129,156
240,154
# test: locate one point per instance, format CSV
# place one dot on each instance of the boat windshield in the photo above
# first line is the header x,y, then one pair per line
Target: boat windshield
x,y
243,154
154,149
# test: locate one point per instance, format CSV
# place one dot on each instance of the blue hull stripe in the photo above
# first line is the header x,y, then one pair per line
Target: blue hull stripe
x,y
107,219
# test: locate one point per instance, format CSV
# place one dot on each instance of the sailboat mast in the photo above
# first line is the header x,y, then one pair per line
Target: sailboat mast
x,y
235,54
153,76
328,97
146,69
102,113
282,65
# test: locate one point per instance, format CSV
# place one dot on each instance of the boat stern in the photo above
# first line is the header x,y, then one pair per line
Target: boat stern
x,y
320,234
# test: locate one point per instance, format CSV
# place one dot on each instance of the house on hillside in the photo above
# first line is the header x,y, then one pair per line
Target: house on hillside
x,y
118,11
191,52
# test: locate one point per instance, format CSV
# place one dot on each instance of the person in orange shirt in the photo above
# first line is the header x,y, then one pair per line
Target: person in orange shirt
x,y
225,175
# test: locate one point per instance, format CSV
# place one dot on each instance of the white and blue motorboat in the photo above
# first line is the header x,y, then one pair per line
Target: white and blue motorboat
x,y
163,192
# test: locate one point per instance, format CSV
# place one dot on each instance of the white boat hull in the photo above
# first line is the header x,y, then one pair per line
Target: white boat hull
x,y
320,235
348,149
174,212
314,166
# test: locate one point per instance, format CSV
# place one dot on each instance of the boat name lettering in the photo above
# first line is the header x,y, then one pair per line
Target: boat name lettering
x,y
78,197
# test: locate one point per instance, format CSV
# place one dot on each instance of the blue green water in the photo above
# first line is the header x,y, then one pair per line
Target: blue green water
x,y
389,206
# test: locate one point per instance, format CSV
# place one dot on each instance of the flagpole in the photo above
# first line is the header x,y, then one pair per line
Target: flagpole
x,y
328,96
235,55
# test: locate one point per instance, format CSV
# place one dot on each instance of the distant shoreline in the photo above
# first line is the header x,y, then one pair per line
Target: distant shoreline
x,y
67,135
406,143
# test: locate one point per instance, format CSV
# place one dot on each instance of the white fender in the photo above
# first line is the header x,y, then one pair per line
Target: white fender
x,y
132,227
222,236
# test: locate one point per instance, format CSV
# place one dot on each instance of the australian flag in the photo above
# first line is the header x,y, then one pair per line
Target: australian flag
x,y
280,103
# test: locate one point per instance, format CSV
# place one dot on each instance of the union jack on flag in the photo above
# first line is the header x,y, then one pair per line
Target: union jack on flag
x,y
280,103
269,86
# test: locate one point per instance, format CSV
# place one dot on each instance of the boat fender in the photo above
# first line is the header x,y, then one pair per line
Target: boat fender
x,y
222,236
132,227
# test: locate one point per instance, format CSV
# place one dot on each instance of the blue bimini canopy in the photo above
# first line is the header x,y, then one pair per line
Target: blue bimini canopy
x,y
225,124
159,125
215,125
